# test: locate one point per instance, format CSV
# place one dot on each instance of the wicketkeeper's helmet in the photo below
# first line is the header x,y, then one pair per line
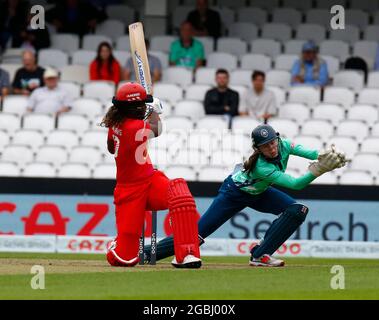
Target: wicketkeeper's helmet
x,y
263,134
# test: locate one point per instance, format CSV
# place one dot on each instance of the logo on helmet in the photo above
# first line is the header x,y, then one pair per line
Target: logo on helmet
x,y
264,133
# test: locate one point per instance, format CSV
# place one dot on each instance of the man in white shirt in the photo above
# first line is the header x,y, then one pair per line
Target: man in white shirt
x,y
51,98
259,102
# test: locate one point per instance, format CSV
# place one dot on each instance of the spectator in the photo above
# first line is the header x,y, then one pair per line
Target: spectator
x,y
105,66
376,66
205,21
154,64
187,51
4,83
222,99
50,98
75,16
12,19
309,69
259,102
29,77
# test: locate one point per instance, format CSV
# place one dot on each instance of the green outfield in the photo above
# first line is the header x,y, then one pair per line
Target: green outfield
x,y
69,276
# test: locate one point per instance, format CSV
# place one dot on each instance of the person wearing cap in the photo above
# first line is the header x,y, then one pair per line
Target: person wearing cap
x,y
310,69
51,98
253,184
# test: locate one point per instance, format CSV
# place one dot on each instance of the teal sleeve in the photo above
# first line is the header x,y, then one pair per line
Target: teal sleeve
x,y
285,180
300,151
173,53
201,51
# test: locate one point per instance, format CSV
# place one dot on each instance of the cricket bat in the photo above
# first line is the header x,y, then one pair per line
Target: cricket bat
x,y
139,56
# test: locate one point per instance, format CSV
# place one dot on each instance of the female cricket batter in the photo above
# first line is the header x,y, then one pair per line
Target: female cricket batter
x,y
139,187
250,186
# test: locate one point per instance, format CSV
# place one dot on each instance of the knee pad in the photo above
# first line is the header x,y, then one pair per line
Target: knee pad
x,y
115,260
298,211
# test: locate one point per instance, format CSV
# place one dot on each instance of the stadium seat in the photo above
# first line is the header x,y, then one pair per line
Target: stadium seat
x,y
363,112
63,138
240,89
337,48
52,153
246,31
286,127
356,177
104,171
309,141
256,61
327,4
161,43
303,5
289,16
280,94
162,56
9,169
366,5
123,43
318,16
12,153
372,81
92,138
234,46
4,138
178,122
347,144
375,129
370,144
32,138
178,171
87,107
366,161
298,163
15,104
222,60
353,128
238,142
67,42
328,111
177,75
285,61
208,44
367,50
227,16
310,31
213,173
210,122
279,78
349,34
371,33
38,121
304,94
352,79
333,64
205,76
169,92
293,46
101,90
92,41
192,109
52,57
75,73
111,28
276,31
76,122
74,89
11,69
268,47
294,111
170,139
10,122
258,15
197,92
268,5
369,96
121,12
241,77
193,157
227,158
74,170
339,95
11,56
241,124
357,17
83,57
327,178
319,127
88,155
160,157
39,169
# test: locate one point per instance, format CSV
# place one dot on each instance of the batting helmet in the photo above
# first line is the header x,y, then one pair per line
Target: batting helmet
x,y
263,134
129,94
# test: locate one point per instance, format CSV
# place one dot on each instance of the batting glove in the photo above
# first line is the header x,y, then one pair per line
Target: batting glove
x,y
156,105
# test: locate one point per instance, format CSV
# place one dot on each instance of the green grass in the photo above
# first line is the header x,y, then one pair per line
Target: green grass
x,y
221,278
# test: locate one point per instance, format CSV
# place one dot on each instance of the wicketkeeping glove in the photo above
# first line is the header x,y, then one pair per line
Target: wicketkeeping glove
x,y
327,163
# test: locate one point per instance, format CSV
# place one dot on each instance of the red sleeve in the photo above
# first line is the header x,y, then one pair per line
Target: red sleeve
x,y
116,72
93,71
110,142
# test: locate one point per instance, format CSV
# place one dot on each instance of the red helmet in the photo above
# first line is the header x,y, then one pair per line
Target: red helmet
x,y
129,93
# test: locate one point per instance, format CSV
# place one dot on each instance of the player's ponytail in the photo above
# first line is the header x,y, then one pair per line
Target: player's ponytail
x,y
249,164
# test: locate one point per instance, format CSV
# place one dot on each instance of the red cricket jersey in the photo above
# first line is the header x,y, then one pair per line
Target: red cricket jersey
x,y
132,159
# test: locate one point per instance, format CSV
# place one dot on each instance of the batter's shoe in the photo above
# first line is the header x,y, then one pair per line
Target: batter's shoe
x,y
266,261
189,262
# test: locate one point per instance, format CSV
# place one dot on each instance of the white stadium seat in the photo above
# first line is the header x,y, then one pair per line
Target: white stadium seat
x,y
309,141
32,138
375,129
74,170
231,45
353,128
327,111
83,57
367,50
213,173
177,75
364,112
347,144
10,122
369,96
352,79
53,154
356,177
39,169
327,178
372,33
73,89
318,16
327,4
197,91
13,153
63,138
242,124
205,76
319,127
215,122
268,5
76,122
340,95
162,56
357,17
92,41
285,61
366,161
123,43
240,89
185,172
304,94
111,28
222,60
104,171
277,31
75,73
9,169
295,111
298,163
241,77
204,140
161,43
11,69
373,79
169,92
245,30
310,31
286,127
160,157
336,48
280,93
4,138
303,5
227,15
333,64
52,57
102,90
67,42
349,34
366,5
293,46
279,78
86,154
195,158
227,158
178,122
289,16
38,121
268,47
15,104
256,61
247,15
208,44
192,109
94,138
238,142
370,144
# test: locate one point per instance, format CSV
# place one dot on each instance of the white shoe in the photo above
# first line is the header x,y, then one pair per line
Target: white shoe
x,y
266,261
189,262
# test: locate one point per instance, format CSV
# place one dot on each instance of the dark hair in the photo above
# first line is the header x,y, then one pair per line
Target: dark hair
x,y
116,115
258,73
100,61
250,163
224,71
